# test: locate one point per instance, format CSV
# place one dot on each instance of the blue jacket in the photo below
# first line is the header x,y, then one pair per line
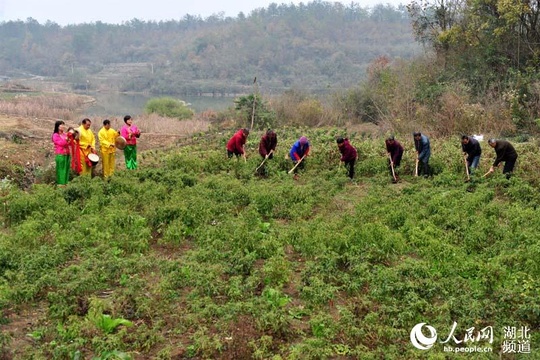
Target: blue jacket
x,y
423,148
297,151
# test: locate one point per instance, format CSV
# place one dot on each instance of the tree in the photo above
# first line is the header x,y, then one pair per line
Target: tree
x,y
431,18
253,107
68,59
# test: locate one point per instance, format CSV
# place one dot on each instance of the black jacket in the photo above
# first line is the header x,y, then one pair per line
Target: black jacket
x,y
505,151
472,149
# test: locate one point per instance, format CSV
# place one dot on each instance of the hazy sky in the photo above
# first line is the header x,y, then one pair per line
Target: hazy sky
x,y
66,12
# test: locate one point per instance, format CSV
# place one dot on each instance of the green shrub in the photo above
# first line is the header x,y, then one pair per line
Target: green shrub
x,y
169,107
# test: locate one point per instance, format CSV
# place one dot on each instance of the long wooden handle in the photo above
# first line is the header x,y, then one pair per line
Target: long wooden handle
x,y
416,170
298,163
466,167
265,158
392,167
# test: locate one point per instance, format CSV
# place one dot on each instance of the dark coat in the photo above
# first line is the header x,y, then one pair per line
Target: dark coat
x,y
472,149
348,152
267,144
505,152
395,150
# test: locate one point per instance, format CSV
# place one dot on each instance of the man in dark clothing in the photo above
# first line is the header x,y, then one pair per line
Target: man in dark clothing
x,y
268,144
395,153
505,152
236,143
423,149
348,154
471,148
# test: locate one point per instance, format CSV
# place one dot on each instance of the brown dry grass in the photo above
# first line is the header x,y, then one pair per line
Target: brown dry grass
x,y
58,106
155,124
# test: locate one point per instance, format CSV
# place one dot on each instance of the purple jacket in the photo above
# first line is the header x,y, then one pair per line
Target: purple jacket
x,y
348,152
395,150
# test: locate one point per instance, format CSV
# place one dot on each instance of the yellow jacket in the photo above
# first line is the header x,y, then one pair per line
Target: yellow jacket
x,y
86,137
106,139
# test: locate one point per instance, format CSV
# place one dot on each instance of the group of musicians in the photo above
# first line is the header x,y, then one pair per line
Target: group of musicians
x,y
75,149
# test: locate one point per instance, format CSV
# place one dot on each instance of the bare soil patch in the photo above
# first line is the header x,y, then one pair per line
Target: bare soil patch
x,y
25,141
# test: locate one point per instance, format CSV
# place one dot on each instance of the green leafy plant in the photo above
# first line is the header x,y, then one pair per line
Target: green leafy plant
x,y
275,298
169,107
108,324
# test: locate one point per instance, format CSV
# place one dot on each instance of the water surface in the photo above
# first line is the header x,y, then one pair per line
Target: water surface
x,y
118,104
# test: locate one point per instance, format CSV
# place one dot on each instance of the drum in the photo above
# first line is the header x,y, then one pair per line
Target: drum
x,y
94,159
120,142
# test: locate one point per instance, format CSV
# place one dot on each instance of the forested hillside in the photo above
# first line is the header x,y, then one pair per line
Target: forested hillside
x,y
315,46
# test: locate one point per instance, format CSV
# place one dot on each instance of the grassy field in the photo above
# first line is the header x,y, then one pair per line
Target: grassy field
x,y
196,257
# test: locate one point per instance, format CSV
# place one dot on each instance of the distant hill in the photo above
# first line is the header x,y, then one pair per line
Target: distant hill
x,y
317,47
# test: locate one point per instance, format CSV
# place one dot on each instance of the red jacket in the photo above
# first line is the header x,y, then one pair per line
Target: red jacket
x,y
236,143
348,152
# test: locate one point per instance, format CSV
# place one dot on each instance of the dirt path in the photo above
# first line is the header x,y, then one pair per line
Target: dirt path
x,y
25,141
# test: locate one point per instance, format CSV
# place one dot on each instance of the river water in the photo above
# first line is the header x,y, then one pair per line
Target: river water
x,y
118,105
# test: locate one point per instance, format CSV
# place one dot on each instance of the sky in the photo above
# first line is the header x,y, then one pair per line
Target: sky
x,y
65,12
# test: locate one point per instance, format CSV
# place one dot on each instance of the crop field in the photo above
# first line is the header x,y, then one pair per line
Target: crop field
x,y
194,256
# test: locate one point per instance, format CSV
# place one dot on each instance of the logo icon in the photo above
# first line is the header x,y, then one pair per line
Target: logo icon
x,y
419,340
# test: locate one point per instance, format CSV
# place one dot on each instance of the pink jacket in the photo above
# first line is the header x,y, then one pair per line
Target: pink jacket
x,y
126,130
61,145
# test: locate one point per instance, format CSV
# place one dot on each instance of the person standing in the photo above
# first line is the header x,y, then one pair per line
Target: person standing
x,y
131,133
74,150
505,152
471,148
61,151
87,146
349,154
235,145
107,137
395,153
298,152
423,150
